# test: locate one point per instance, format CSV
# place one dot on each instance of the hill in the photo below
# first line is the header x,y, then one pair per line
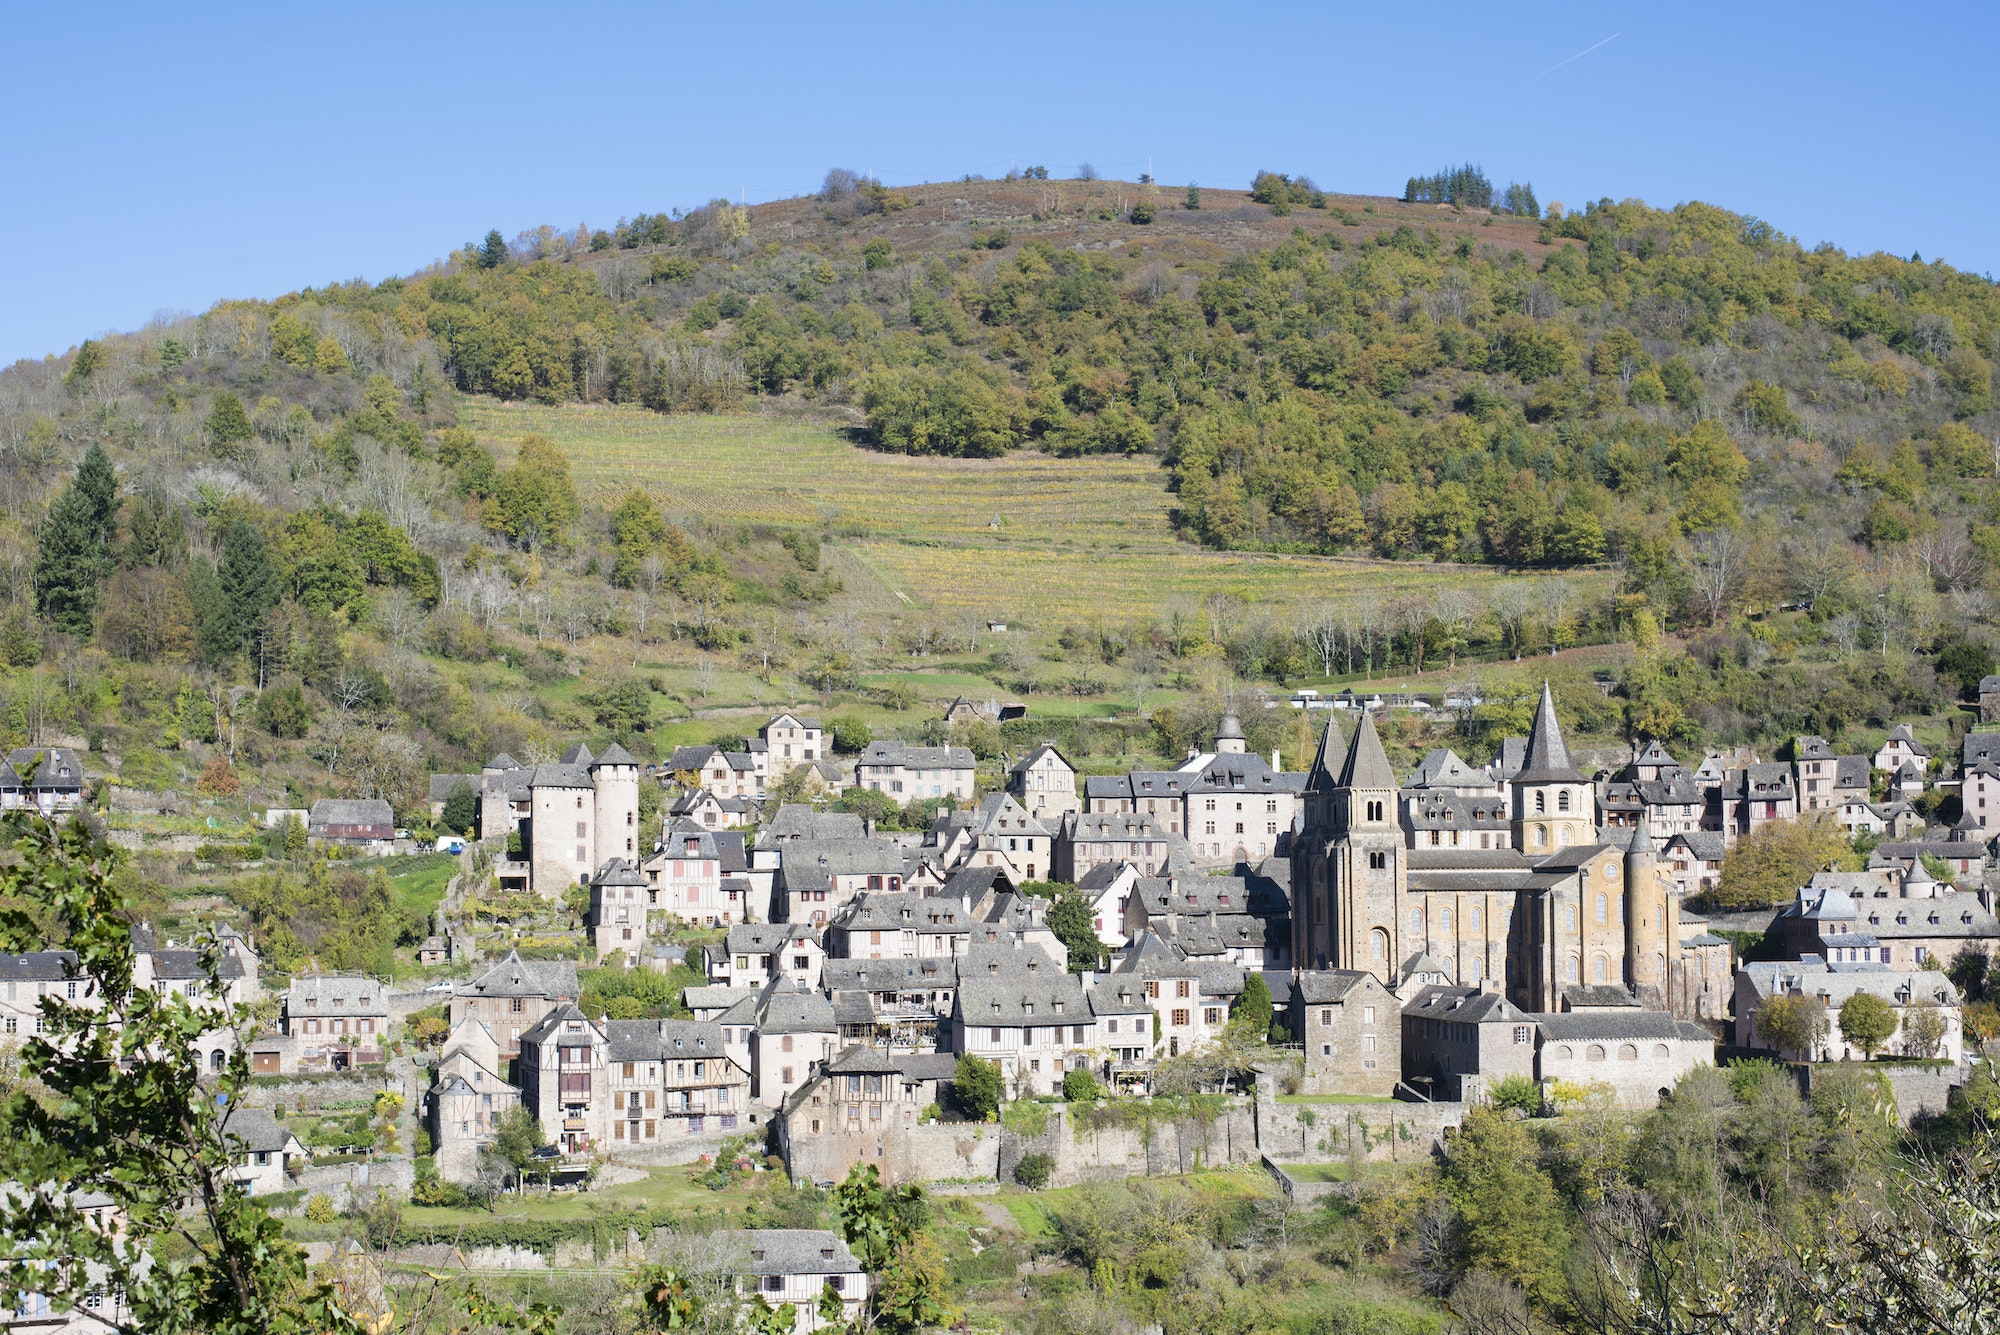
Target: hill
x,y
653,479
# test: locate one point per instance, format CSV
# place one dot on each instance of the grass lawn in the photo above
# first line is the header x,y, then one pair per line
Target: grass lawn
x,y
1319,1172
418,883
663,1187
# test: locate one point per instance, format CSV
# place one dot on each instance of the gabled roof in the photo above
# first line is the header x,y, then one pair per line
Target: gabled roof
x,y
352,811
1317,987
790,1251
661,1040
783,1008
1588,1026
1463,1005
516,977
546,1027
1034,757
797,820
764,937
258,1131
1548,755
1366,766
613,754
442,785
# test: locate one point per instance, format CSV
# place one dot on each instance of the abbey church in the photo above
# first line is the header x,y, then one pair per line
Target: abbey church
x,y
1557,901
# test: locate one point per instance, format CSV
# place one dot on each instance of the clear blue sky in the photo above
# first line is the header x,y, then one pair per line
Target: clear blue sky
x,y
161,157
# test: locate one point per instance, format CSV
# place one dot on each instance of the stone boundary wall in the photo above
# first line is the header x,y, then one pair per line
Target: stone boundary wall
x,y
307,1094
1921,1091
1395,1132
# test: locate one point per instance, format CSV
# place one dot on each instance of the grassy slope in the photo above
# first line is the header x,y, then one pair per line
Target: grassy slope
x,y
1078,539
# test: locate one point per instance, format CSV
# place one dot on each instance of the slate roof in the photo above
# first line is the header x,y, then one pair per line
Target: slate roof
x,y
1443,768
716,998
974,884
884,911
1813,976
1367,765
1320,776
1028,761
61,769
894,753
790,1251
1597,995
897,975
354,993
1326,987
38,966
1462,1005
782,1008
613,754
258,1131
661,1040
764,937
1590,1026
443,784
1548,755
1023,999
1706,845
1245,772
352,811
516,977
1959,915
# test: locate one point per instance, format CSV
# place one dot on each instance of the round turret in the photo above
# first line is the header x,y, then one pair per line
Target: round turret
x,y
1229,736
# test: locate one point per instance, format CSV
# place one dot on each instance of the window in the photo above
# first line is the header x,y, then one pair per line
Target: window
x,y
1520,1034
1183,988
1562,800
1541,801
1601,908
1378,860
1180,1016
1368,1015
1326,1016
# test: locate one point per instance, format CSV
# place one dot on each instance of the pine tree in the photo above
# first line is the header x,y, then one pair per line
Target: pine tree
x,y
227,423
70,569
246,581
99,484
214,634
493,253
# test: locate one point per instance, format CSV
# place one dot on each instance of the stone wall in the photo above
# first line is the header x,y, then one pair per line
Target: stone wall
x,y
1921,1091
941,1151
315,1093
1132,1147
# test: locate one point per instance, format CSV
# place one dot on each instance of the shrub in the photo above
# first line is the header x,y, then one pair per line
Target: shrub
x,y
1518,1092
1143,212
319,1208
1079,1086
1034,1171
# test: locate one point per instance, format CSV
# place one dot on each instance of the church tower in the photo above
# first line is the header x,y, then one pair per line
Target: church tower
x,y
1312,946
1365,865
1652,918
615,777
1554,806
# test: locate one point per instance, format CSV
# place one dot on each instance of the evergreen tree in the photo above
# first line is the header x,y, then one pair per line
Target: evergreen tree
x,y
248,584
461,808
214,633
99,483
493,253
70,568
228,424
1253,1007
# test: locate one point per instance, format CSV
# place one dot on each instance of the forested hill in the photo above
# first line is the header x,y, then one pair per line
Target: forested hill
x,y
1315,372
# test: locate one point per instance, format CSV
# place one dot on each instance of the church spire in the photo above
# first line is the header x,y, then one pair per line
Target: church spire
x,y
1320,775
1366,765
1548,756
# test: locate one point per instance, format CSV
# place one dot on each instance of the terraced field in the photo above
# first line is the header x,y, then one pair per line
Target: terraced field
x,y
1028,538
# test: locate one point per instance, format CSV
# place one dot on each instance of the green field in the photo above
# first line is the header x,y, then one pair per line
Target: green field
x,y
1028,539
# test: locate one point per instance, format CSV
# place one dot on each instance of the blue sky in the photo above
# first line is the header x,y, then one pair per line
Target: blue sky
x,y
161,157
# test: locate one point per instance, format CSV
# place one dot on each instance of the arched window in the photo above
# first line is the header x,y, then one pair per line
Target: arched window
x,y
1378,944
217,1060
1569,917
1562,836
1444,919
1597,967
1660,1051
1541,800
1627,1052
1565,1053
1474,970
1594,1053
1416,920
1562,800
1575,970
1601,907
1541,835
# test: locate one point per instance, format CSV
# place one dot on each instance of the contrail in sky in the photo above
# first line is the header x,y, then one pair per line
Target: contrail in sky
x,y
1579,55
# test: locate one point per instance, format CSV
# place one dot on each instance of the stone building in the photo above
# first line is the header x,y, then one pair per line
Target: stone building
x,y
1044,783
796,1266
616,919
1905,990
1565,904
1459,1042
909,773
1351,1028
1638,1054
512,997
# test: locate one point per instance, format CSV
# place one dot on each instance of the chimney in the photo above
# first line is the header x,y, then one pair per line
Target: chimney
x,y
1276,768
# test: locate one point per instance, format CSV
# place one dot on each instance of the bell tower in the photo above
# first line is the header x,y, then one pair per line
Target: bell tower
x,y
1554,807
1366,865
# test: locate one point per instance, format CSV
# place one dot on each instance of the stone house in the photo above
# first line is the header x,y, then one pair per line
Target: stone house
x,y
1086,840
732,775
1190,997
884,925
793,1034
513,996
616,919
1989,699
1824,779
1110,886
1900,749
1753,797
365,825
1979,793
48,779
909,773
1240,809
339,1020
671,1079
1459,1042
699,876
796,1266
1005,835
750,956
817,877
1441,819
467,1099
896,1005
1043,782
711,811
264,1154
1639,1054
1027,1014
1905,991
1161,794
1910,919
1694,859
1352,1031
790,740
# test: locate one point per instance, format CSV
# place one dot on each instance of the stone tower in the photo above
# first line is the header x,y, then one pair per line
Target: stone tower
x,y
1652,918
1229,736
1365,869
615,777
1554,806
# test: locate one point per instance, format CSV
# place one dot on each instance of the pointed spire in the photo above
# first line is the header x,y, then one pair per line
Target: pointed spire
x,y
1642,840
1548,756
1320,775
1367,766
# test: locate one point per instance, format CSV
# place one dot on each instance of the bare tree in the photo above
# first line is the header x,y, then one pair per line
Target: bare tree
x,y
1947,558
1714,563
1456,612
1511,602
1817,563
1320,630
704,678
